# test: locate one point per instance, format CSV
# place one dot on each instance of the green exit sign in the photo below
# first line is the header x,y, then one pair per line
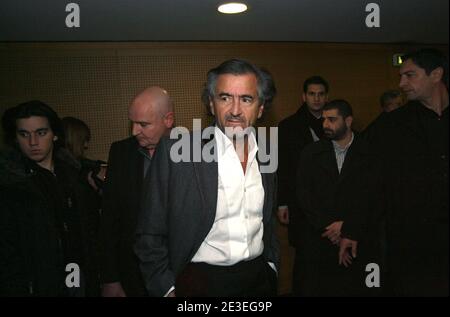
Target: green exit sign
x,y
397,59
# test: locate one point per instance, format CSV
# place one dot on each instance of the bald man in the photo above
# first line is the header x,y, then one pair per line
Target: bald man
x,y
151,116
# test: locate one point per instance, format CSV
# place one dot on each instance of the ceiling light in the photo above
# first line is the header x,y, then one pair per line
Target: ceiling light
x,y
232,8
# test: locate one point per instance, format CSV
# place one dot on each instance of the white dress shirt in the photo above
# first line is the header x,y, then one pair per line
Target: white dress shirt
x,y
237,232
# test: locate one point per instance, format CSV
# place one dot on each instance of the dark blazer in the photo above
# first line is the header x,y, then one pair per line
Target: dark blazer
x,y
178,213
325,196
293,135
121,203
35,206
415,167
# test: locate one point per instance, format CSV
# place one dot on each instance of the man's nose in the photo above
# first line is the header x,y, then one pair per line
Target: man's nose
x,y
135,129
33,139
402,82
236,107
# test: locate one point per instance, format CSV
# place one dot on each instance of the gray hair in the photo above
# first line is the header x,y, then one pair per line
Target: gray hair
x,y
388,96
265,87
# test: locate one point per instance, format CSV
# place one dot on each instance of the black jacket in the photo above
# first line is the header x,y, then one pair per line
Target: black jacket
x,y
325,196
121,205
293,135
415,168
44,225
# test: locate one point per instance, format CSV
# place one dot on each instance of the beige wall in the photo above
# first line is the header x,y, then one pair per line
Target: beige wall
x,y
96,81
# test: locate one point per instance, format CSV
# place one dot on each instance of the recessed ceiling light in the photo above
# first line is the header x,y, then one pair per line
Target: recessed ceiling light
x,y
232,8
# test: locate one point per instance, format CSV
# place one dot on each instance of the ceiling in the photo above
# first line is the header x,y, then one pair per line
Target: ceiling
x,y
401,21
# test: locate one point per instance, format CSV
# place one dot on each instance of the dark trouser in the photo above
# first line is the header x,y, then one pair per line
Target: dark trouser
x,y
246,278
317,273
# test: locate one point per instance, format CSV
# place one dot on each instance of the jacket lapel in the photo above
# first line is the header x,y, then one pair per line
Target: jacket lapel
x,y
266,182
207,179
206,174
137,159
327,160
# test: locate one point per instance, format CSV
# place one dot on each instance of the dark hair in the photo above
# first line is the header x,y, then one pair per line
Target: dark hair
x,y
388,96
76,134
265,87
33,108
429,59
315,80
343,107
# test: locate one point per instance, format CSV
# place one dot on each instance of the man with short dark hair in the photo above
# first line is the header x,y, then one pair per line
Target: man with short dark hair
x,y
207,225
336,194
44,220
413,146
294,133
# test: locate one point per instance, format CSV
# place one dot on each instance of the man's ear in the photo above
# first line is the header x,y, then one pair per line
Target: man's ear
x,y
260,111
437,74
169,120
211,106
303,97
349,121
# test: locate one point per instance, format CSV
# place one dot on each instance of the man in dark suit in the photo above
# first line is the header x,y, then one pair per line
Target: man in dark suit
x,y
151,115
337,186
413,146
294,133
207,224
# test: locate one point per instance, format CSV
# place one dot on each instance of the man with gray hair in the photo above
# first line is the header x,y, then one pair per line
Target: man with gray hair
x,y
391,100
151,116
206,227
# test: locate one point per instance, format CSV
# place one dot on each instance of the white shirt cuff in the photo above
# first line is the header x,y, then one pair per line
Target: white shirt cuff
x,y
170,289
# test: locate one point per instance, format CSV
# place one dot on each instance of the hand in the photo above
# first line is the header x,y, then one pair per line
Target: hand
x,y
91,181
113,290
333,232
283,215
344,254
102,173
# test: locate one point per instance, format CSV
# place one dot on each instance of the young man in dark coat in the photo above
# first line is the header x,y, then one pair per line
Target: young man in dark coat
x,y
46,234
294,133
